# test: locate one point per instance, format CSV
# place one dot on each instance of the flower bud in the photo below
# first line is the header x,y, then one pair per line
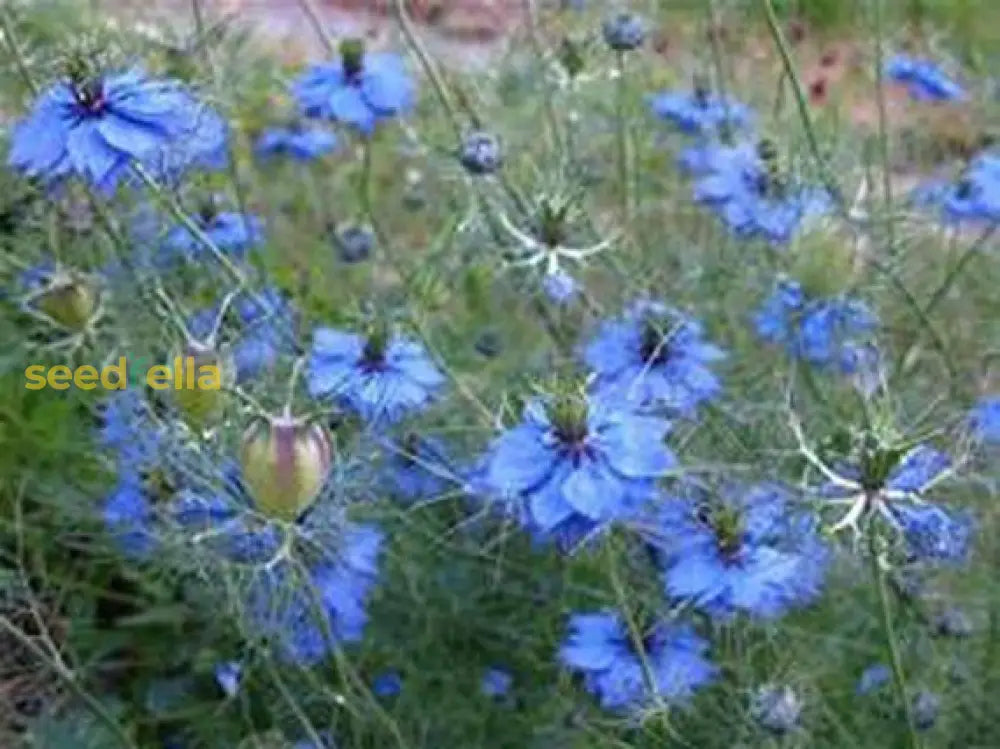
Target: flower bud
x,y
70,300
285,462
199,372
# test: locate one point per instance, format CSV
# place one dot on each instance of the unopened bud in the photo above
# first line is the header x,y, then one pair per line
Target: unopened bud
x,y
70,300
199,372
285,462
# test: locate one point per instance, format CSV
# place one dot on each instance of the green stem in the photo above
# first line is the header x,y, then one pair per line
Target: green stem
x,y
883,131
312,13
624,171
826,175
891,644
548,99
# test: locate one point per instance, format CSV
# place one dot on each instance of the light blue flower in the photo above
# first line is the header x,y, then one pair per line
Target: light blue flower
x,y
655,356
925,80
382,377
599,647
96,127
298,141
360,89
699,112
985,419
577,461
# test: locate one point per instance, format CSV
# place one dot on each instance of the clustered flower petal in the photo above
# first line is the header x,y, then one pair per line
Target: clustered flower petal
x,y
380,380
826,332
600,468
654,356
96,129
599,647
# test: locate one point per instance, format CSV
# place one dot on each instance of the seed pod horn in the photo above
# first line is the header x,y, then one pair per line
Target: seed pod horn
x,y
285,462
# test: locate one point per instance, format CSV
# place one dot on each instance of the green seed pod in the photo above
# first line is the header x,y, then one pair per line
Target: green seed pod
x,y
285,462
198,375
70,299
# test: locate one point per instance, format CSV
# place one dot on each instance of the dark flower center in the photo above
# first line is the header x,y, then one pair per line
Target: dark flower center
x,y
877,462
411,448
568,414
373,353
571,57
89,95
727,523
208,211
157,485
701,92
552,224
964,189
352,56
654,348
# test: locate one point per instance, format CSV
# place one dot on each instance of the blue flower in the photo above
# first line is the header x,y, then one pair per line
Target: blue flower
x,y
304,619
624,32
754,200
128,515
973,197
361,89
825,332
654,356
496,682
383,377
577,461
599,647
709,156
97,128
873,679
560,286
481,153
925,80
933,533
387,684
744,551
230,231
300,142
699,112
985,419
418,469
127,428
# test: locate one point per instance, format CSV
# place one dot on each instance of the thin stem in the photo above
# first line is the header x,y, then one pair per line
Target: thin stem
x,y
883,131
826,175
621,116
892,646
10,41
312,13
548,99
430,70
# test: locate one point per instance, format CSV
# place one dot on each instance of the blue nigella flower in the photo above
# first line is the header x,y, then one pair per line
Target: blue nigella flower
x,y
699,112
654,356
418,469
599,647
96,127
361,89
383,377
925,80
387,684
985,419
296,615
127,429
708,156
973,197
577,460
624,32
496,683
232,232
826,332
754,199
873,678
898,495
128,515
299,141
742,551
